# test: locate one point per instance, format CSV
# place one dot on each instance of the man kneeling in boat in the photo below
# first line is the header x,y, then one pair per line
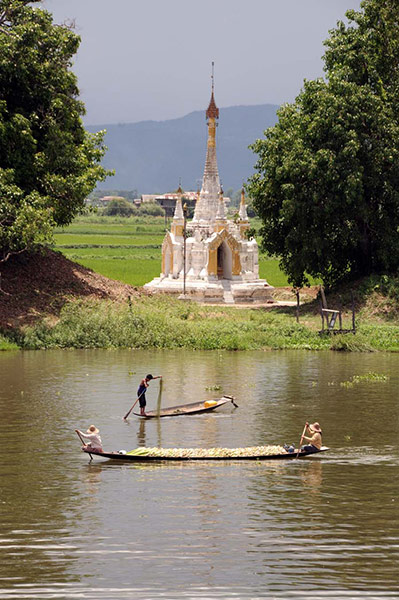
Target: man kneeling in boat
x,y
91,434
315,440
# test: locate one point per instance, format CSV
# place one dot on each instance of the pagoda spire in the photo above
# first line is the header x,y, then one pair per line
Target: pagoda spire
x,y
178,217
208,204
178,207
221,214
243,209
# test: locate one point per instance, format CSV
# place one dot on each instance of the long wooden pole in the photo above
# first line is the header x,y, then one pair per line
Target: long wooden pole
x,y
129,411
184,248
301,440
84,443
159,397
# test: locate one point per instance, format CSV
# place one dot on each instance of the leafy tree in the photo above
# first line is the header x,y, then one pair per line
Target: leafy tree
x,y
48,162
152,209
121,207
327,181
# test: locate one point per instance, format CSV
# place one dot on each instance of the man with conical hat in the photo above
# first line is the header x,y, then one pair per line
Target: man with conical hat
x,y
92,434
315,442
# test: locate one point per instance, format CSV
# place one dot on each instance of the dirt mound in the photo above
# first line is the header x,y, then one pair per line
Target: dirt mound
x,y
37,285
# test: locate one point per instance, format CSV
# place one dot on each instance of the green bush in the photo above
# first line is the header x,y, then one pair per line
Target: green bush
x,y
7,344
152,209
119,207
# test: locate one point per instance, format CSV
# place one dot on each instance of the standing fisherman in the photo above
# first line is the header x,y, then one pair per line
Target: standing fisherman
x,y
144,383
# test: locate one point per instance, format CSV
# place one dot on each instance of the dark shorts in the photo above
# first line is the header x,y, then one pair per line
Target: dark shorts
x,y
142,401
310,448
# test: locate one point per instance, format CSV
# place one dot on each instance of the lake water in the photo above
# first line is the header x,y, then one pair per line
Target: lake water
x,y
323,527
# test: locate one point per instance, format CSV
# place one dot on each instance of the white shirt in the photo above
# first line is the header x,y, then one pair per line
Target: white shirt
x,y
95,440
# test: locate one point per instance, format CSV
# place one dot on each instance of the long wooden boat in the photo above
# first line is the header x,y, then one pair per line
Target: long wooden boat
x,y
193,408
190,454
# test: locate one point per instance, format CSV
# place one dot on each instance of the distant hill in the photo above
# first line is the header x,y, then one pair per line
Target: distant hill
x,y
151,156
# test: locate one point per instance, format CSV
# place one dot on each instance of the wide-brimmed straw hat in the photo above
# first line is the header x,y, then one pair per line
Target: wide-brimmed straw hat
x,y
92,429
315,427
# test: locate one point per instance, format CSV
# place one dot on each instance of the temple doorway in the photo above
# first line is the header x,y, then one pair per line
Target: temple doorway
x,y
224,265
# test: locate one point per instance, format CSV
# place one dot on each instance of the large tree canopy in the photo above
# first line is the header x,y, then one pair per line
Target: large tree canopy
x,y
48,162
327,180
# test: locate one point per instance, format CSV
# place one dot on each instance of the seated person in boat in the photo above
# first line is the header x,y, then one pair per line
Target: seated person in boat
x,y
92,434
144,383
315,442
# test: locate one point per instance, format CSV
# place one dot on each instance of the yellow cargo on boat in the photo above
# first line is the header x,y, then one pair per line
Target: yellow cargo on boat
x,y
209,403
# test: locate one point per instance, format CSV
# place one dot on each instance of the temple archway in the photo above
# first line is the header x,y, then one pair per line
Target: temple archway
x,y
224,261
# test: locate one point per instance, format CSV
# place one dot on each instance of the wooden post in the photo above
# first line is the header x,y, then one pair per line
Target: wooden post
x,y
353,314
297,305
323,297
340,314
322,314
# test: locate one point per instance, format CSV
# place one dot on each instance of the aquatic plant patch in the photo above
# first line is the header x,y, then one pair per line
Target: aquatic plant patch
x,y
365,378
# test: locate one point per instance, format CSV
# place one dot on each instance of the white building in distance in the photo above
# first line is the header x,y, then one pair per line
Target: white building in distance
x,y
211,258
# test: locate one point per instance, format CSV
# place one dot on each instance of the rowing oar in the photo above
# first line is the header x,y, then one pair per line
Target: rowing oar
x,y
302,436
128,413
83,442
231,398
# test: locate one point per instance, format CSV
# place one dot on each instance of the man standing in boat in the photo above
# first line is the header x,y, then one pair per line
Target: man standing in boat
x,y
315,440
144,383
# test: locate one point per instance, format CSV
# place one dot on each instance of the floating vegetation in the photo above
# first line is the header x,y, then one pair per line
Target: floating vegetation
x,y
207,452
367,377
213,388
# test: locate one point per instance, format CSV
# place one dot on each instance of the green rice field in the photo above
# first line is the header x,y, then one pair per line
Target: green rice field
x,y
129,250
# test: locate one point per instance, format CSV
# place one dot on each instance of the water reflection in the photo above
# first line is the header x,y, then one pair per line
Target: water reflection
x,y
327,526
90,478
312,478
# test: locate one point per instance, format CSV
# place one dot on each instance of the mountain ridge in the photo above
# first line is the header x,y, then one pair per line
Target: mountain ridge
x,y
152,156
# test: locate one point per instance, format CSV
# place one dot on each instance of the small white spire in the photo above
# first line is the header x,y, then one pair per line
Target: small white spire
x,y
243,209
179,208
221,213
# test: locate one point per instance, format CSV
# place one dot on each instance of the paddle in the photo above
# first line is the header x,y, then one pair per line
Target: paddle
x,y
231,398
128,413
83,442
302,436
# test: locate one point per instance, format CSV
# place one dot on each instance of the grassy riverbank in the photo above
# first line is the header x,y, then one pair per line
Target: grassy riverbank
x,y
47,301
163,322
6,344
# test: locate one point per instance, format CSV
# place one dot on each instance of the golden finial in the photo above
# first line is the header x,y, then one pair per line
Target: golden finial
x,y
212,111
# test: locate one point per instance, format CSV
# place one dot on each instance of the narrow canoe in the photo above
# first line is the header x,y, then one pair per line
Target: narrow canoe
x,y
122,455
187,409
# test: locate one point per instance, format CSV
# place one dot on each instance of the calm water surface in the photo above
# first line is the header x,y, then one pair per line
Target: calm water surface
x,y
323,527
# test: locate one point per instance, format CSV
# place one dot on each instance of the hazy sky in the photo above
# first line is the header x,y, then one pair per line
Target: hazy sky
x,y
151,59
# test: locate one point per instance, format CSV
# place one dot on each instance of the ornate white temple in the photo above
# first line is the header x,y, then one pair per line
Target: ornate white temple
x,y
210,258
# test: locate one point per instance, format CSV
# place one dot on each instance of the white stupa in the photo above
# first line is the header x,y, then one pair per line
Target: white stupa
x,y
217,262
